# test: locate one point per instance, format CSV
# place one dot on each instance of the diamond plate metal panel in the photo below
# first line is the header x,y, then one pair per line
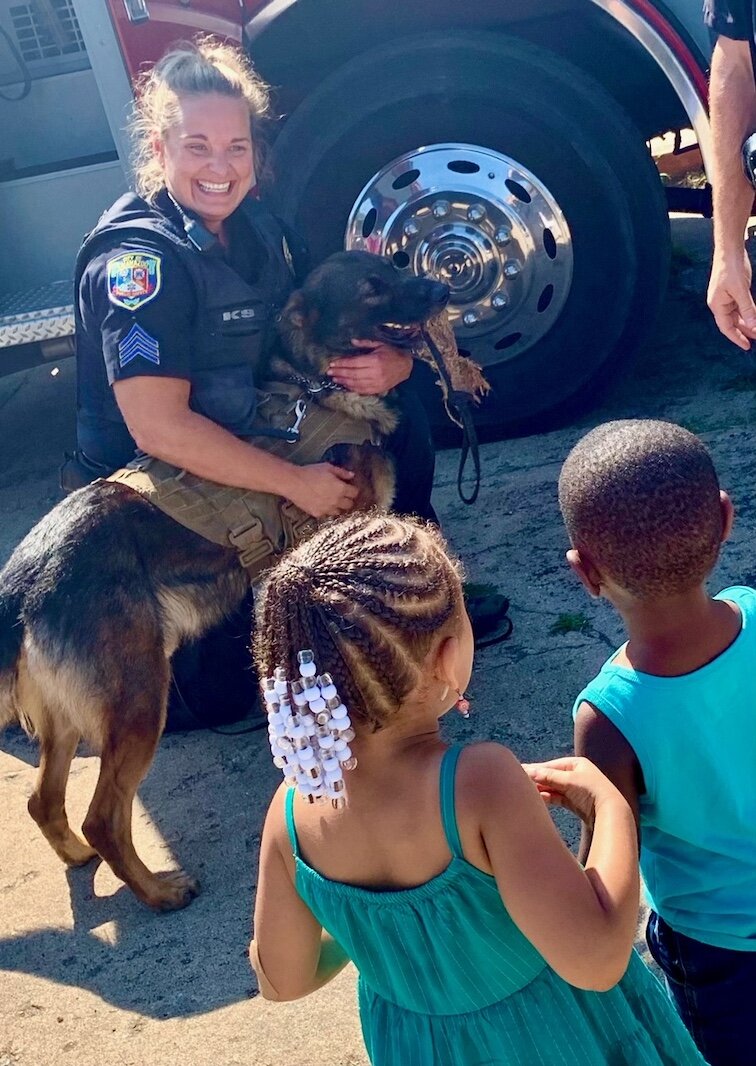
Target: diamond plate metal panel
x,y
39,314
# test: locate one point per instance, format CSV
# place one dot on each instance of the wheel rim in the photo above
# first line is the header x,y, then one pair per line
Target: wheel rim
x,y
483,224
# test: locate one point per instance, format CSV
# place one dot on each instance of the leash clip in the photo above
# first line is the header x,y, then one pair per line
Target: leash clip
x,y
300,410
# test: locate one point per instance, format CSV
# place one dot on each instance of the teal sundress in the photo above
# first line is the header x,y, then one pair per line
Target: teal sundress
x,y
447,978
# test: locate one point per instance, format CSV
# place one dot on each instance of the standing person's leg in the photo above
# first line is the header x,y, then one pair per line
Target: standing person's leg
x,y
713,989
411,446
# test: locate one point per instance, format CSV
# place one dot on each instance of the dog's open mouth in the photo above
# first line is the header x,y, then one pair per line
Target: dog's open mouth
x,y
397,334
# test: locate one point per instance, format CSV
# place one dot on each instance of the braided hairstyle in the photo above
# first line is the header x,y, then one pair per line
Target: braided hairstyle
x,y
368,593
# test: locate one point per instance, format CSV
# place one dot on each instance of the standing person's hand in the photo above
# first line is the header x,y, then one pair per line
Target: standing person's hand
x,y
375,373
323,490
730,301
574,783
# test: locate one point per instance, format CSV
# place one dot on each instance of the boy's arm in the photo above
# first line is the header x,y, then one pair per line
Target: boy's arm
x,y
291,954
597,739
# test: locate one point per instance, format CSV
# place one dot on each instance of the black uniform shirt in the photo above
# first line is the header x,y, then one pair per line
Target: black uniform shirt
x,y
731,18
139,316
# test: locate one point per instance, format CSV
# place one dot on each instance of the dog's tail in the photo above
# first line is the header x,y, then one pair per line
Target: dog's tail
x,y
11,637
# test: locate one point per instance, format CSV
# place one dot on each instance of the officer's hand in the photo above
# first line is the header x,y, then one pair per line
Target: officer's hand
x,y
324,490
730,301
381,369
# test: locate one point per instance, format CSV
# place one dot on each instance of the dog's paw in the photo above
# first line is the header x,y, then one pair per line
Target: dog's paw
x,y
173,890
77,852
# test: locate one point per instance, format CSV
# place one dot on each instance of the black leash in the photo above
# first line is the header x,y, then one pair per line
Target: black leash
x,y
460,404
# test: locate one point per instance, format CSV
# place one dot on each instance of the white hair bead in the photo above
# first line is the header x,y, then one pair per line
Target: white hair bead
x,y
298,693
327,687
308,731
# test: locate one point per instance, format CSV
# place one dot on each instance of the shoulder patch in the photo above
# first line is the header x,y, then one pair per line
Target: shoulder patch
x,y
138,344
134,278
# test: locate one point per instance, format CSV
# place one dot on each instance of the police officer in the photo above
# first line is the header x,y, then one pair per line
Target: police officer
x,y
178,288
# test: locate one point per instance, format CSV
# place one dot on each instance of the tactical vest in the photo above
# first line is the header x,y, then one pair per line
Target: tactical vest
x,y
234,320
258,525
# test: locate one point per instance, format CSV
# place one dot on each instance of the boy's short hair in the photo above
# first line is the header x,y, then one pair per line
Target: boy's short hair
x,y
641,497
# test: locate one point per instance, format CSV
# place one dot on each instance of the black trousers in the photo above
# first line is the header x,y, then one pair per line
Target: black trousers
x,y
411,446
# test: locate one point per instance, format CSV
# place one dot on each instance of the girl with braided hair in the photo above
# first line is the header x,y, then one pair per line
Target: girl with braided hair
x,y
478,937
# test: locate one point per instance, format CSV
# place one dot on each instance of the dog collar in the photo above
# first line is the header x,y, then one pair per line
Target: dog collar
x,y
314,388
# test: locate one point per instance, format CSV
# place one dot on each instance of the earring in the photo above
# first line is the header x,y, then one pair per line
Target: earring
x,y
462,704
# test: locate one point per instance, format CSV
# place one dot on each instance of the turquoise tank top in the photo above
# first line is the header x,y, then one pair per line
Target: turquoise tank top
x,y
401,941
447,978
695,739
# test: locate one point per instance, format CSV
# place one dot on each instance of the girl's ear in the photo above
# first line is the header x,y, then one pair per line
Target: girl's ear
x,y
586,572
447,663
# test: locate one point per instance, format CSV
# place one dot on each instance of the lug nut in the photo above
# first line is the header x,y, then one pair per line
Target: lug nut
x,y
476,212
411,228
503,235
469,318
499,300
511,268
441,208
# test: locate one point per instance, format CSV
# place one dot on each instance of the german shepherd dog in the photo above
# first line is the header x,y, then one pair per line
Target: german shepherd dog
x,y
100,594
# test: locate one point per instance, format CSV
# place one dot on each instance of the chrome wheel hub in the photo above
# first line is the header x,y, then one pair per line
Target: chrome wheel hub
x,y
482,224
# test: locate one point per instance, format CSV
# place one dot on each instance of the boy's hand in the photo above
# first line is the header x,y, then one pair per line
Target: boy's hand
x,y
574,783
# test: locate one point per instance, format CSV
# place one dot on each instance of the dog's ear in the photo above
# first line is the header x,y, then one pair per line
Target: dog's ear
x,y
300,313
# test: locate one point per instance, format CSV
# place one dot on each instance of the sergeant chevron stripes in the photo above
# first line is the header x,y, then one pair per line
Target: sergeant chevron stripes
x,y
136,343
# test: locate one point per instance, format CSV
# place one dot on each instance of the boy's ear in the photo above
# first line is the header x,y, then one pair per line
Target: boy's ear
x,y
585,571
728,515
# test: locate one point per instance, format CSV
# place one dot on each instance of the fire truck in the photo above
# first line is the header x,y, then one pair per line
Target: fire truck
x,y
501,146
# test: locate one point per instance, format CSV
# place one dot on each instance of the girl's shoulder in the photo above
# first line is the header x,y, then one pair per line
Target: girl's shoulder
x,y
487,774
279,828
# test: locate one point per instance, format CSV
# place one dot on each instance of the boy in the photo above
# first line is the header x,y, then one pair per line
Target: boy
x,y
671,717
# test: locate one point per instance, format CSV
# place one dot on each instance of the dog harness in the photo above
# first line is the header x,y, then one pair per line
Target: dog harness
x,y
258,525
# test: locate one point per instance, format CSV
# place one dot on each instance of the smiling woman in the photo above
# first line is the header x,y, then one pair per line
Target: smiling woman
x,y
179,287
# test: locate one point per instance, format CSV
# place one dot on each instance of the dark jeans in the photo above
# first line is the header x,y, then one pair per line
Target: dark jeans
x,y
714,990
411,447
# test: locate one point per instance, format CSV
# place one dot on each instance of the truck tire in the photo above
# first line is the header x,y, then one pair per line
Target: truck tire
x,y
500,168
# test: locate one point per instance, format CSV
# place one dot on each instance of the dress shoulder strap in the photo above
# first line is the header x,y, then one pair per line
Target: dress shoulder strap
x,y
290,826
448,808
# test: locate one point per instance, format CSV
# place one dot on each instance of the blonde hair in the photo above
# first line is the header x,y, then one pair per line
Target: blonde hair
x,y
368,593
192,68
